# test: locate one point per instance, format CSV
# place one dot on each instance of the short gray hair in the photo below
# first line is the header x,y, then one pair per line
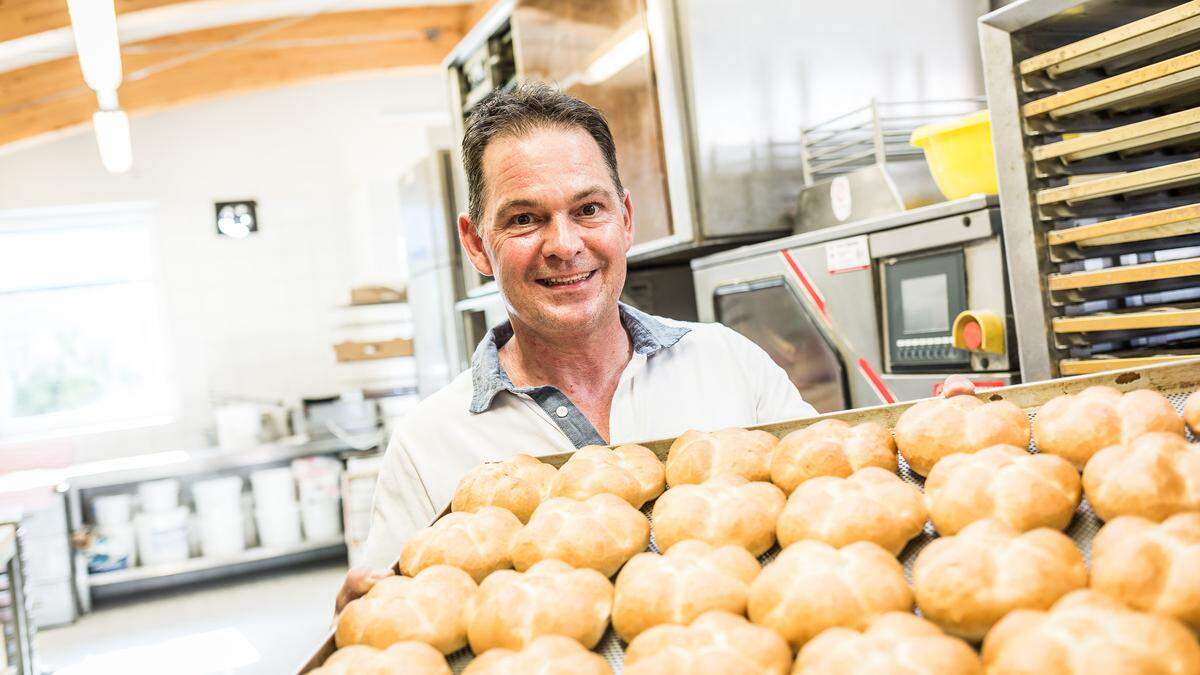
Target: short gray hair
x,y
521,110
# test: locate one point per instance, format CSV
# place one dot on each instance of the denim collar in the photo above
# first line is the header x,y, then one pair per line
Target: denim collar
x,y
648,334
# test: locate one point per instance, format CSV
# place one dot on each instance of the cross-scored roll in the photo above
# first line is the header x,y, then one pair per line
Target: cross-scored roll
x,y
812,586
871,505
518,484
402,658
1191,412
476,543
691,578
1075,427
1086,633
632,472
429,607
936,427
512,608
725,510
896,642
1153,476
1151,567
697,456
546,655
1004,482
831,448
716,643
601,532
966,582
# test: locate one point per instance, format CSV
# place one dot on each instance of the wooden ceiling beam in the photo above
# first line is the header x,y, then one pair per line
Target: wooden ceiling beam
x,y
19,18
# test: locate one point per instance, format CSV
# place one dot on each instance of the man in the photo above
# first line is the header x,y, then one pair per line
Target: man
x,y
549,219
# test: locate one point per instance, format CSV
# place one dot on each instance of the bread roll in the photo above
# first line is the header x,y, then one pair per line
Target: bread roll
x,y
716,643
725,510
1004,482
546,655
632,472
1087,633
600,532
812,586
896,642
831,448
871,505
1151,567
518,484
402,658
476,543
966,582
1191,412
690,579
936,427
430,607
697,456
550,598
1153,476
1077,426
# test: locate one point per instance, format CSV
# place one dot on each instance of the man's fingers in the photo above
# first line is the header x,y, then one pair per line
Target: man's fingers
x,y
956,385
358,581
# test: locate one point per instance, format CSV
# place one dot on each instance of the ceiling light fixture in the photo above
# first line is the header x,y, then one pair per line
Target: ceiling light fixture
x,y
94,23
112,136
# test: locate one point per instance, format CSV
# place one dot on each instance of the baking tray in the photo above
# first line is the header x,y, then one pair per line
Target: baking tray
x,y
1176,380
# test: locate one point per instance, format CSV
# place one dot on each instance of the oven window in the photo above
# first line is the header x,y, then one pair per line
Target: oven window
x,y
925,303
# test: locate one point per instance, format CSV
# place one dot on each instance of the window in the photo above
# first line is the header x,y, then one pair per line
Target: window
x,y
82,343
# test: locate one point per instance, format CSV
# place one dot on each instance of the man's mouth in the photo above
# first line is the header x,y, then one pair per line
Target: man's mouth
x,y
555,282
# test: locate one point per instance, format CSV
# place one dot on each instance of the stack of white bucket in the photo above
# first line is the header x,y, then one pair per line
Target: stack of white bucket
x,y
162,525
275,509
114,548
219,519
319,480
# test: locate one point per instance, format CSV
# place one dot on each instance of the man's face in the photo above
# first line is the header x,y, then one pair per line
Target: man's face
x,y
555,231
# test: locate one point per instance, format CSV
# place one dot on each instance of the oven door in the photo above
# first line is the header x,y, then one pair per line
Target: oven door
x,y
771,315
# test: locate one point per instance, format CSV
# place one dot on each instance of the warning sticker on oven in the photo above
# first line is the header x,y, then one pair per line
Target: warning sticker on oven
x,y
848,255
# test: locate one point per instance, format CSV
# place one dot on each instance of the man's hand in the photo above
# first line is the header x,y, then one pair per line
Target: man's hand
x,y
956,385
358,581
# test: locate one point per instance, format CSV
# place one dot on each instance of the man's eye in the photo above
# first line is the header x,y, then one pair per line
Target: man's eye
x,y
590,209
523,219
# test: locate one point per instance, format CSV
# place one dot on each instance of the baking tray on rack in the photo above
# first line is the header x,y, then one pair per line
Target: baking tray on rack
x,y
1175,380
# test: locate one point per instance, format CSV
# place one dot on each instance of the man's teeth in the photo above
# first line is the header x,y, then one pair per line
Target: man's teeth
x,y
566,280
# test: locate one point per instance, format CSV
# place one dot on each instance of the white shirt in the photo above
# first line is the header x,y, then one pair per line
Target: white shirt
x,y
681,376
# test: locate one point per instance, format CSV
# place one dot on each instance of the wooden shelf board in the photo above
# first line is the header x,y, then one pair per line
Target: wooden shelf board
x,y
1156,178
1100,365
1125,275
1147,81
1158,318
1156,132
1154,225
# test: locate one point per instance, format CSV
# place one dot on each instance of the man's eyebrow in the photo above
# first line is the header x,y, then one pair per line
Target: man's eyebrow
x,y
584,194
517,204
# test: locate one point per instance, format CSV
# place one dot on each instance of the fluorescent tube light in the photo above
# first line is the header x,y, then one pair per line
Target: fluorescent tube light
x,y
94,23
112,135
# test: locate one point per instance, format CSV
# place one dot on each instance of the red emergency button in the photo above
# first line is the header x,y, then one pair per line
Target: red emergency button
x,y
972,335
978,331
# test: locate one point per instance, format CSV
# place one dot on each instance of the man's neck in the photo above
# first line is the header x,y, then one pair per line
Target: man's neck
x,y
580,364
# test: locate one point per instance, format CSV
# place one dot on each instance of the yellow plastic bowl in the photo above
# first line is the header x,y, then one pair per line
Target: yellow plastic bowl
x,y
960,155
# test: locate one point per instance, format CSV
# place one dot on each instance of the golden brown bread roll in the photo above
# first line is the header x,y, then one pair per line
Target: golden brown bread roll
x,y
896,642
518,484
1087,633
871,505
697,456
402,658
1003,482
550,598
725,510
1151,567
831,448
476,543
1153,476
546,655
717,643
936,427
812,586
966,582
1077,426
632,472
1191,412
690,579
600,532
429,607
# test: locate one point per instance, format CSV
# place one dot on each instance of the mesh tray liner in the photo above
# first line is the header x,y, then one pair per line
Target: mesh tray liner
x,y
1082,529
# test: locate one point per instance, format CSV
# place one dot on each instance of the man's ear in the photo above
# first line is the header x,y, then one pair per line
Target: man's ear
x,y
472,243
627,216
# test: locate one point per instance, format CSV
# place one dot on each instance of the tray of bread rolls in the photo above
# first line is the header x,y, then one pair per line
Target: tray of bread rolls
x,y
1050,527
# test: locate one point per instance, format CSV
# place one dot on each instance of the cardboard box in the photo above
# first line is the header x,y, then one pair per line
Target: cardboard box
x,y
374,295
370,351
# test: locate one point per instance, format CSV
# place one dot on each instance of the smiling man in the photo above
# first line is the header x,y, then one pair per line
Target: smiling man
x,y
549,219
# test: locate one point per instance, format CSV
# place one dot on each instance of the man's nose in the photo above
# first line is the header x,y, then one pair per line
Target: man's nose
x,y
563,238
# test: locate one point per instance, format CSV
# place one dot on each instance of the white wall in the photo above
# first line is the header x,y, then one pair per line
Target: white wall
x,y
253,317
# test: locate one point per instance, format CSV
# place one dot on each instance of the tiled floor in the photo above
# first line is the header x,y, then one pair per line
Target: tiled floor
x,y
267,623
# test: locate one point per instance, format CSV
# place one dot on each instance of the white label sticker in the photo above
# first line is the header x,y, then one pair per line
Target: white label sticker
x,y
840,200
848,255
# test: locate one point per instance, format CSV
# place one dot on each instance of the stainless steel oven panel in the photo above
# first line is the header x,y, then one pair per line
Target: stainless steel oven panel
x,y
935,233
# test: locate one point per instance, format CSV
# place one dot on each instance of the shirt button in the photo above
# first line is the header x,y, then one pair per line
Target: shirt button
x,y
561,411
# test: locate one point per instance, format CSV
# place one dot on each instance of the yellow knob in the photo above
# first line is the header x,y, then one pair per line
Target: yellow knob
x,y
979,331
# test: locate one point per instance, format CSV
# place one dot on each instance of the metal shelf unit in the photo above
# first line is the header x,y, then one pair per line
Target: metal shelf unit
x,y
1096,121
16,624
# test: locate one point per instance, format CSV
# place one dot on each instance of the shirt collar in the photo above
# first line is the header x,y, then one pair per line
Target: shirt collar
x,y
648,334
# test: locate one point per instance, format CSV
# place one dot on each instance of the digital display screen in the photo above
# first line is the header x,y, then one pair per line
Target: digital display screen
x,y
925,304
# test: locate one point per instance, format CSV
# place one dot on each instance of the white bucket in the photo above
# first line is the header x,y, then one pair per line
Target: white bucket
x,y
114,548
273,488
112,510
221,532
159,496
322,519
318,478
238,425
278,525
217,495
162,537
